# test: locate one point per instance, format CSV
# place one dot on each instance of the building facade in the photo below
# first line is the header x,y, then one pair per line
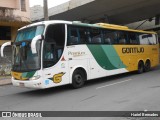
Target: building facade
x,y
13,15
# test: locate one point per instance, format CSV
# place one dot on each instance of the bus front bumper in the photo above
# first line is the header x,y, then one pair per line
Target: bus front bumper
x,y
29,84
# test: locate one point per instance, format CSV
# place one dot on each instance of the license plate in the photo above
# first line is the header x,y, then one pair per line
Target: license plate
x,y
21,84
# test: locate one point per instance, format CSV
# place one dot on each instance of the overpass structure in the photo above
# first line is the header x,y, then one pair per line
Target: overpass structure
x,y
111,11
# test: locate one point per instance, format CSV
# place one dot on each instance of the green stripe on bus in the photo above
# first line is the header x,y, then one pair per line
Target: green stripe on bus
x,y
28,74
113,56
106,57
100,56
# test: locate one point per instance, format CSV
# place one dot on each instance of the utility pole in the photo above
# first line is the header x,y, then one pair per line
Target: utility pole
x,y
45,9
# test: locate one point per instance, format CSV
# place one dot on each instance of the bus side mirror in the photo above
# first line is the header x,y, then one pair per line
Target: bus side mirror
x,y
3,46
34,42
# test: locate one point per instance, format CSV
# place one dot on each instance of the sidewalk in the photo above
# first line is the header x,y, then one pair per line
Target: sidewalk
x,y
5,81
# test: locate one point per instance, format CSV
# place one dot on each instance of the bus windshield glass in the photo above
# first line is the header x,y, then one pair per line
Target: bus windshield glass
x,y
23,59
29,33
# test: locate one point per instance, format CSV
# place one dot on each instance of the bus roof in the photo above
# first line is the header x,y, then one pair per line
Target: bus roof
x,y
113,27
47,23
79,23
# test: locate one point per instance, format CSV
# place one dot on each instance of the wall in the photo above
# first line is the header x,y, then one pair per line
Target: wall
x,y
25,15
8,3
13,10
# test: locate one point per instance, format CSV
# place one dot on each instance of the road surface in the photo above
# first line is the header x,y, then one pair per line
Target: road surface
x,y
125,92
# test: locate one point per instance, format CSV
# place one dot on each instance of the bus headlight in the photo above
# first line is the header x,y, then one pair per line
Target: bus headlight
x,y
35,77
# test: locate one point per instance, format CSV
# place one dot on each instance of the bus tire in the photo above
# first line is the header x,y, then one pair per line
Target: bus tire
x,y
78,78
140,67
147,66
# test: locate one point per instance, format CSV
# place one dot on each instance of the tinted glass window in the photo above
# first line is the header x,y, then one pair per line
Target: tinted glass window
x,y
133,38
122,38
53,45
110,36
73,36
91,35
96,36
56,34
83,35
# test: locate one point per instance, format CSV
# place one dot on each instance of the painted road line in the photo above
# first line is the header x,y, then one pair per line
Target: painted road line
x,y
114,84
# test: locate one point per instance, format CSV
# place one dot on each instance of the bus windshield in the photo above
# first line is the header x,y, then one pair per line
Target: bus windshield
x,y
29,33
23,59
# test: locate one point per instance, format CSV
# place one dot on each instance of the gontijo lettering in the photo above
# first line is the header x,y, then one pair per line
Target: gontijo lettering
x,y
133,50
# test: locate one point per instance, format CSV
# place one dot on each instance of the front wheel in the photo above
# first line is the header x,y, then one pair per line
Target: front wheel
x,y
78,79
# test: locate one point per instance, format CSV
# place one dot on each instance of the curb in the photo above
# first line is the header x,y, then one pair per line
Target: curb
x,y
5,82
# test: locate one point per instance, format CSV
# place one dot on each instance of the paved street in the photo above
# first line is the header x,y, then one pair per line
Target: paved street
x,y
126,92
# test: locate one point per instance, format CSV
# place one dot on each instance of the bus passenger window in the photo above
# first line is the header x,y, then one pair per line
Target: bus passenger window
x,y
73,40
96,39
133,39
96,36
83,35
110,37
107,41
88,37
122,38
73,37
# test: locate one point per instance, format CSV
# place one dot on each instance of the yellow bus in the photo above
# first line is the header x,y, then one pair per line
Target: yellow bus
x,y
54,53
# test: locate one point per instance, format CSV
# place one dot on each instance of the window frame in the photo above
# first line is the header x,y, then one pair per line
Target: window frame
x,y
115,39
23,5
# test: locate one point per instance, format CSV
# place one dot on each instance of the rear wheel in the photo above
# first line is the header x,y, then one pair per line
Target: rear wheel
x,y
147,66
140,67
78,78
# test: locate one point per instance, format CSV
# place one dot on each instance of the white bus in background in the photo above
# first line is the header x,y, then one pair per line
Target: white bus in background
x,y
54,53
